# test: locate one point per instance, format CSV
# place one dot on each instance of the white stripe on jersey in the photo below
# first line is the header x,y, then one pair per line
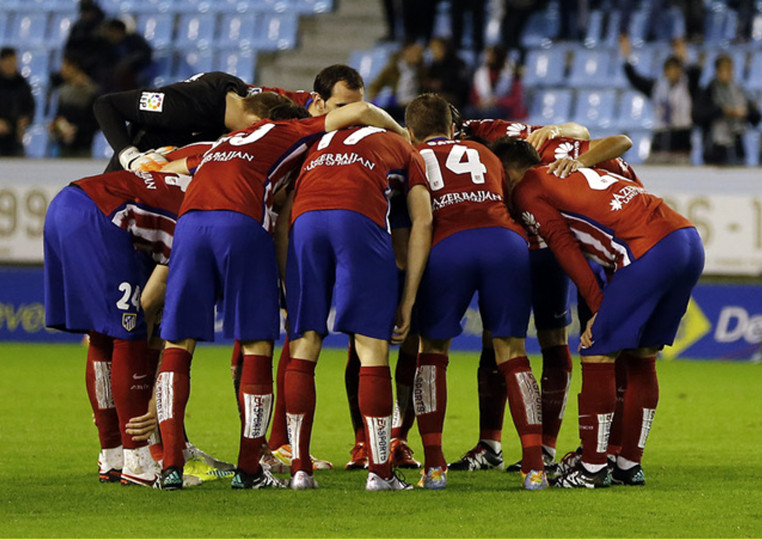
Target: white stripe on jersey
x,y
615,252
125,219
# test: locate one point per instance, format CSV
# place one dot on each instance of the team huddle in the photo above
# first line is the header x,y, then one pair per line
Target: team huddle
x,y
251,200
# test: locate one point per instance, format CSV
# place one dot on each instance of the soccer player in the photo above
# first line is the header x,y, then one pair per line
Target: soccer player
x,y
103,236
564,147
223,248
340,245
476,247
656,257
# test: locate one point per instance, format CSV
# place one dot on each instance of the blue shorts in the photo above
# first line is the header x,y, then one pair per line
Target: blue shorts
x,y
550,291
93,274
644,302
347,255
221,255
491,261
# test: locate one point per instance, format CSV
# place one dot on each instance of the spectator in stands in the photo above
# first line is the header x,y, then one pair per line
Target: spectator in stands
x,y
724,112
496,89
403,74
129,54
458,9
446,74
16,104
74,125
84,40
672,96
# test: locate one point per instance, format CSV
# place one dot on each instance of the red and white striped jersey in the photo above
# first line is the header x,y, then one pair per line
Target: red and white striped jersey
x,y
493,130
593,213
243,170
300,97
145,204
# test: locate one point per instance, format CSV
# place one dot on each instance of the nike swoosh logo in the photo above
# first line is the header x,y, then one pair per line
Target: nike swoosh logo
x,y
138,377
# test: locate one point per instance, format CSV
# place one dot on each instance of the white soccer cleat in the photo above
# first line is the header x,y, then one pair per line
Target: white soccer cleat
x,y
139,467
376,483
193,452
301,480
110,463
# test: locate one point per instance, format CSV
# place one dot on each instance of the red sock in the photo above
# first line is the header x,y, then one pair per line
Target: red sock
x,y
132,384
640,401
404,377
352,382
300,411
430,397
98,383
556,374
492,396
375,399
620,373
597,401
236,362
172,392
526,410
279,431
256,400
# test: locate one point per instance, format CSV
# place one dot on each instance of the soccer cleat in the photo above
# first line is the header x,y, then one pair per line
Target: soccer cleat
x,y
568,463
285,455
272,463
480,457
547,460
202,471
263,480
192,452
633,476
402,455
139,467
171,479
395,483
435,478
580,477
359,459
301,480
534,480
110,463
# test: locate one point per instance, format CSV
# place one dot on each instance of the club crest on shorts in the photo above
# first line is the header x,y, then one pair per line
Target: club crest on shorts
x,y
129,321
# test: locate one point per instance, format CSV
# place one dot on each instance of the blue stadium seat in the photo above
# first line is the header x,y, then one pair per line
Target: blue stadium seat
x,y
739,64
34,64
751,141
160,72
60,26
269,6
541,28
643,60
595,108
189,63
5,21
594,32
591,67
157,28
638,27
101,148
193,6
635,111
153,7
550,106
36,141
278,32
754,78
611,36
641,147
311,6
196,30
720,24
545,67
232,6
369,63
242,64
45,106
238,30
28,29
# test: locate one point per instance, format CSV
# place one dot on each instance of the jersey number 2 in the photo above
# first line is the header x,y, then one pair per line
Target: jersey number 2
x,y
455,163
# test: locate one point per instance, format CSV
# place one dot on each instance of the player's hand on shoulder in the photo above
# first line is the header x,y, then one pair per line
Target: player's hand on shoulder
x,y
563,167
540,136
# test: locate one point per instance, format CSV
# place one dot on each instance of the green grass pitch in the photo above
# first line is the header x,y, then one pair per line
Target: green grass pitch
x,y
702,464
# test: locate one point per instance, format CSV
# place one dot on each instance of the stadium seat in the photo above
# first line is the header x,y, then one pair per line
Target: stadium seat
x,y
160,72
101,148
28,29
278,32
754,78
36,141
545,67
232,6
541,28
635,111
751,141
60,26
311,6
641,147
269,6
34,64
594,32
157,28
190,63
611,36
242,64
193,7
551,106
5,22
638,27
369,63
591,67
643,60
720,24
196,30
238,30
595,108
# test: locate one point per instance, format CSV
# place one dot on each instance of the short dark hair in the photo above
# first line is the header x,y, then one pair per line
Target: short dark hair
x,y
263,103
722,59
515,153
427,115
287,111
116,24
329,76
5,52
673,61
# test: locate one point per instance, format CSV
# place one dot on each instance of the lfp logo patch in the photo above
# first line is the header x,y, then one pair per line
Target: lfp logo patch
x,y
152,101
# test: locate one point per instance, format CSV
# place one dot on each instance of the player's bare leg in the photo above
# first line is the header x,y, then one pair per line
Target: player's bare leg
x,y
525,406
430,401
404,413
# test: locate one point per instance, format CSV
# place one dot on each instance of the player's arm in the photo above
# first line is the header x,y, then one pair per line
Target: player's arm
x,y
280,233
363,113
152,298
178,166
599,150
573,130
419,245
